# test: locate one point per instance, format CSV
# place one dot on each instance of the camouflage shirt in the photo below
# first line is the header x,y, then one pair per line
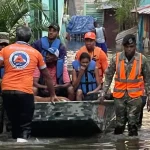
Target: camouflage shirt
x,y
111,70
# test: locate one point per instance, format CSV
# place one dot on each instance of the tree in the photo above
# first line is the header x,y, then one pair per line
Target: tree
x,y
123,12
14,12
124,17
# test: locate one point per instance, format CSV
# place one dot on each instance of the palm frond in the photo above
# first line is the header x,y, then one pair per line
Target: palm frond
x,y
14,12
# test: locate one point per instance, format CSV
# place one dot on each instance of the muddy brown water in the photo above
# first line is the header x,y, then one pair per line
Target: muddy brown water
x,y
104,141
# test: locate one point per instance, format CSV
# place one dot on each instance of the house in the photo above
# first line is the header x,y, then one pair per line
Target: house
x,y
143,13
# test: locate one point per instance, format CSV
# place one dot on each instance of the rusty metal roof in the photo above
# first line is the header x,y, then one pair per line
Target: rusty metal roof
x,y
142,10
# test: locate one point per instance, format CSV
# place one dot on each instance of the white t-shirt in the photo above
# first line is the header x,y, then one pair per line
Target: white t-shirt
x,y
100,35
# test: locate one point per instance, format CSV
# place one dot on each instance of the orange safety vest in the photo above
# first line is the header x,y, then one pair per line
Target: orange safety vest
x,y
133,83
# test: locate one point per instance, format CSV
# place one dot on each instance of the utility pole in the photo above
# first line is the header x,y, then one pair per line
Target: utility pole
x,y
136,14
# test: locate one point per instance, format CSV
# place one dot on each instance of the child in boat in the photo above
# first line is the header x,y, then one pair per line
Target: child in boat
x,y
59,74
85,77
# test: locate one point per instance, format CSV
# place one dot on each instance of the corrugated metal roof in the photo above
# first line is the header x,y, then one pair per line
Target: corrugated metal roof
x,y
107,5
142,10
122,34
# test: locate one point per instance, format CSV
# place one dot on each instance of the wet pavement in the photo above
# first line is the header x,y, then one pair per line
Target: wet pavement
x,y
104,141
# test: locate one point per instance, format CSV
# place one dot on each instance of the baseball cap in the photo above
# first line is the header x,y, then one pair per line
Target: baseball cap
x,y
54,51
129,39
90,35
4,37
55,26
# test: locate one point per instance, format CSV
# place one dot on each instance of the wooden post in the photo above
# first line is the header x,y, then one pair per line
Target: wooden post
x,y
136,14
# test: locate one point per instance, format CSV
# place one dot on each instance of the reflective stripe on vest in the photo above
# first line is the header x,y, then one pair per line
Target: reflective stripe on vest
x,y
87,83
132,84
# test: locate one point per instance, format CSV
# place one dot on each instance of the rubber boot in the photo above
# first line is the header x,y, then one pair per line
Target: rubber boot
x,y
119,130
133,130
8,127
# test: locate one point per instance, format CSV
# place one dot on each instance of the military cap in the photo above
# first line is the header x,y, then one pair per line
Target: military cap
x,y
55,26
4,37
129,39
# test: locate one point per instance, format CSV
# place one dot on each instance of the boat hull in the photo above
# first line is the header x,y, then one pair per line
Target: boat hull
x,y
72,117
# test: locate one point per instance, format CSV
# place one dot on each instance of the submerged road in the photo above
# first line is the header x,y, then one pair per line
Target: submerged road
x,y
103,141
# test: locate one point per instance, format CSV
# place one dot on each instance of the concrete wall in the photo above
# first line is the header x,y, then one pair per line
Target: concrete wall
x,y
79,7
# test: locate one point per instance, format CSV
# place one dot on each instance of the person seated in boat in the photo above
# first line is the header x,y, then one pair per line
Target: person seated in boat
x,y
59,74
85,77
96,53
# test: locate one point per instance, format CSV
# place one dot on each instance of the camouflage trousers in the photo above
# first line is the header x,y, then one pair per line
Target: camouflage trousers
x,y
128,110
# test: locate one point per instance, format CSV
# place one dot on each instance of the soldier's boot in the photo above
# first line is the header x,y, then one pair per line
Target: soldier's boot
x,y
133,130
119,130
8,127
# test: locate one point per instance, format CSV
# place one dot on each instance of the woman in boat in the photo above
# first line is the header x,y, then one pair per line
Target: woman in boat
x,y
85,77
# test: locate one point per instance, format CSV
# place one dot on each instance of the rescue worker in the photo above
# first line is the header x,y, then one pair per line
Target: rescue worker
x,y
100,37
85,77
95,53
4,41
59,75
131,69
51,41
20,60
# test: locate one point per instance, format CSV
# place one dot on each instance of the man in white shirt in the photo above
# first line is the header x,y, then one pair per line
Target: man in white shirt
x,y
100,37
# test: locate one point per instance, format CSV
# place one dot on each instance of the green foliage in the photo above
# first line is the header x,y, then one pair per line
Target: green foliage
x,y
15,12
123,12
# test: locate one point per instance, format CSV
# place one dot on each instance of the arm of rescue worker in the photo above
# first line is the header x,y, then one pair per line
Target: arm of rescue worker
x,y
146,78
109,73
97,81
103,61
76,79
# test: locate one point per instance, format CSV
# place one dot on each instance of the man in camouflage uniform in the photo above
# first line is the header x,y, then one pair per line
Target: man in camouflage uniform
x,y
128,108
4,41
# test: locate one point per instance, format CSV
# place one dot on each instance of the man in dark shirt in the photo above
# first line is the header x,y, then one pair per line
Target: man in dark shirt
x,y
51,40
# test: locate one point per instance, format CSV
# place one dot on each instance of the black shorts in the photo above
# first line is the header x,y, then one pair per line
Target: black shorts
x,y
91,97
61,92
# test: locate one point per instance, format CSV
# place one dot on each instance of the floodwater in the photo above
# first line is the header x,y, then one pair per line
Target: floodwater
x,y
74,45
104,141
